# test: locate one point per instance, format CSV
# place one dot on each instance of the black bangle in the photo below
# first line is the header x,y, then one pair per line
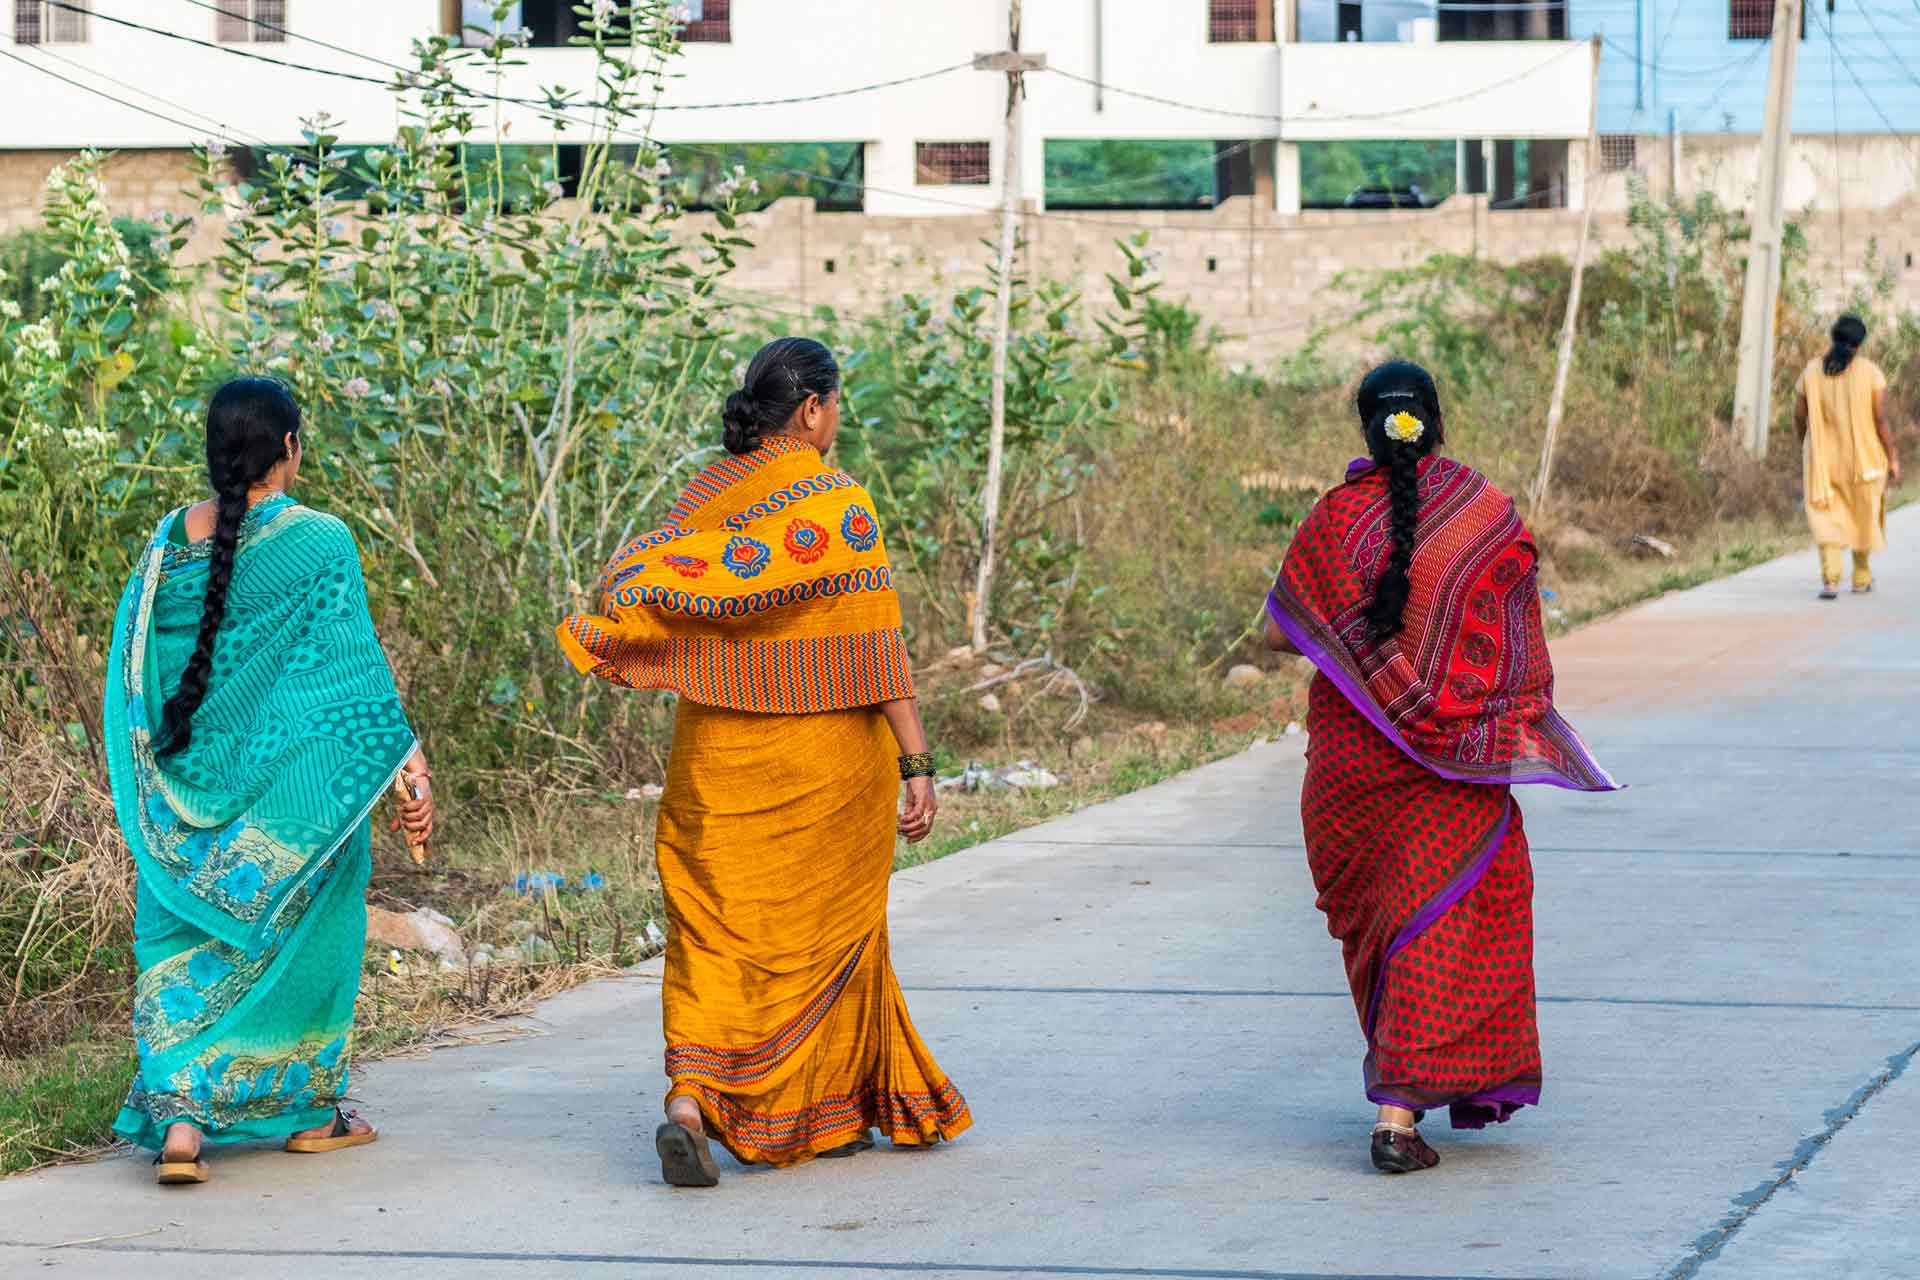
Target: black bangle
x,y
917,764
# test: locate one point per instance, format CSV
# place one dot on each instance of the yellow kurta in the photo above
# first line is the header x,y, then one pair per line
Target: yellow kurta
x,y
1845,464
783,1016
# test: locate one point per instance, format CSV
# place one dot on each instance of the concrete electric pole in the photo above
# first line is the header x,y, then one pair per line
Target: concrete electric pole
x,y
1014,63
1753,390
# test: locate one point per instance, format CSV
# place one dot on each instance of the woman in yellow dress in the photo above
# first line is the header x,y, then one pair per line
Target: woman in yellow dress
x,y
766,603
1841,413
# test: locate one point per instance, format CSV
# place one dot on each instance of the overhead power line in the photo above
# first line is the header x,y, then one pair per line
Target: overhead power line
x,y
227,11
101,93
554,110
542,104
221,128
1394,113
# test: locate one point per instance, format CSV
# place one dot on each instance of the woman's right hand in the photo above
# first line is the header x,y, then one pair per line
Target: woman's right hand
x,y
415,816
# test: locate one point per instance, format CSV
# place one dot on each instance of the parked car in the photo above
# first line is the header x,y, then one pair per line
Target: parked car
x,y
1407,197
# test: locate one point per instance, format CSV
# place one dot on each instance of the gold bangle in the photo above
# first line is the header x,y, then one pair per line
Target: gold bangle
x,y
917,764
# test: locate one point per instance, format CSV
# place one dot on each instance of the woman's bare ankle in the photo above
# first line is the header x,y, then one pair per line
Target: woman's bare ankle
x,y
1396,1116
182,1140
685,1112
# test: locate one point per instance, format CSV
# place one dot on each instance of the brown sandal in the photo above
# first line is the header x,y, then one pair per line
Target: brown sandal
x,y
686,1157
339,1137
179,1173
1397,1148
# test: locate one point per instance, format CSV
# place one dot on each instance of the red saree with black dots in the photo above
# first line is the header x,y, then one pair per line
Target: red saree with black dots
x,y
1417,849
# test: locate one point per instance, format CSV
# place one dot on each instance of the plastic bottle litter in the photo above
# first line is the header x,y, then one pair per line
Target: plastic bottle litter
x,y
1029,776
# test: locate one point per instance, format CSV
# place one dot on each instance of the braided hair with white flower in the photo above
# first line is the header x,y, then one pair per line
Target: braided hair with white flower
x,y
1399,409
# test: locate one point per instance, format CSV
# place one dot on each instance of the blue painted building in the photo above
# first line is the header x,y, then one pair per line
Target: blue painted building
x,y
1700,66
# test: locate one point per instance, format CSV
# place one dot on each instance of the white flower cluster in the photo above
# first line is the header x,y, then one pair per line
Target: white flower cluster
x,y
37,339
738,182
90,439
357,388
604,12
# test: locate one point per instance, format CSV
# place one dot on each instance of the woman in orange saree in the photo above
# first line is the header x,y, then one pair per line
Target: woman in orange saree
x,y
767,604
1412,589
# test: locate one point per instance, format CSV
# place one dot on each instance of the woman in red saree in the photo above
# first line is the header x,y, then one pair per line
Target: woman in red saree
x,y
1412,589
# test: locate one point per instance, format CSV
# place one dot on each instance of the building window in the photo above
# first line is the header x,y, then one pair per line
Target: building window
x,y
251,22
1503,20
951,164
1753,20
1233,21
1618,151
38,22
706,22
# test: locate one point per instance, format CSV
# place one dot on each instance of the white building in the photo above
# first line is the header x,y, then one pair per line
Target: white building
x,y
159,75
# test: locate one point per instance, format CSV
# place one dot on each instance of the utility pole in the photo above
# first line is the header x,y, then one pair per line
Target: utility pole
x,y
1014,63
1590,185
1753,390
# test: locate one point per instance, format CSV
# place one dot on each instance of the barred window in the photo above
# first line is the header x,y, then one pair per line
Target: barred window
x,y
952,164
1233,21
44,22
1753,20
251,22
1618,151
707,22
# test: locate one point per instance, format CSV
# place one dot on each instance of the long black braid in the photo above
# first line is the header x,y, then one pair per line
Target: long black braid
x,y
248,422
1396,387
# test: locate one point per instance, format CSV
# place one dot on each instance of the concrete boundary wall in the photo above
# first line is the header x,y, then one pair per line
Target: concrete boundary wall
x,y
1263,279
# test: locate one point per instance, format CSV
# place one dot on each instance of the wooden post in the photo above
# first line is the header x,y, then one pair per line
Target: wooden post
x,y
1753,385
1014,63
1590,184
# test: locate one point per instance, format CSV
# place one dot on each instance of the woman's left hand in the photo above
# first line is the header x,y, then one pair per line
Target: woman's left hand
x,y
916,820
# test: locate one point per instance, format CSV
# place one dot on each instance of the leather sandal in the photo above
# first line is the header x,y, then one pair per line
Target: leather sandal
x,y
1398,1148
339,1137
686,1157
179,1173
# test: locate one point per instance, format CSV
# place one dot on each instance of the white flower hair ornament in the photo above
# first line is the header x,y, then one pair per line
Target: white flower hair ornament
x,y
1404,427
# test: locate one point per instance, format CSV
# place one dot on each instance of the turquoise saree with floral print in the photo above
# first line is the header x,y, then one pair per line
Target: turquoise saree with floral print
x,y
252,844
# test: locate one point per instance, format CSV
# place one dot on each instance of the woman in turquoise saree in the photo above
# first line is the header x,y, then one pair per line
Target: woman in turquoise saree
x,y
252,723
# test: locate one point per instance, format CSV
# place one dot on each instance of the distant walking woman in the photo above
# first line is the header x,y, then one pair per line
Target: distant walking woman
x,y
1411,587
1841,413
766,602
251,724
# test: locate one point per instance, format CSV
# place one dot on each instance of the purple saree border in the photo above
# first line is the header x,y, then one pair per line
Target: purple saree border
x,y
1319,653
1476,1110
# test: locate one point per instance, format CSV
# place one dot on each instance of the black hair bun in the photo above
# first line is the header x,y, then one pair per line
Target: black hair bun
x,y
741,422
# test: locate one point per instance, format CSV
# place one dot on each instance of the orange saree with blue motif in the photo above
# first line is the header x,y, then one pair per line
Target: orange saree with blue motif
x,y
767,604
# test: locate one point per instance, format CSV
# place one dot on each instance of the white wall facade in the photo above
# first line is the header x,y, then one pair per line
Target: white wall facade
x,y
1532,89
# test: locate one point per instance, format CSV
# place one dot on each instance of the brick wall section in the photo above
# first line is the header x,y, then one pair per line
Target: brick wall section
x,y
1262,279
138,183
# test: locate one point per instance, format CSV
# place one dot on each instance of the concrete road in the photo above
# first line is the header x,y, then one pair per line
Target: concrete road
x,y
1145,1011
